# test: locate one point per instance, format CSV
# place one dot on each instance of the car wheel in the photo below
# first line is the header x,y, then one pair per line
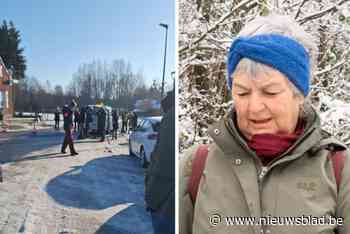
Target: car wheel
x,y
144,161
130,150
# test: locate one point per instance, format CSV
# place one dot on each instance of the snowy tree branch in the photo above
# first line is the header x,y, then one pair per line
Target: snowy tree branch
x,y
228,15
202,71
319,14
299,9
331,68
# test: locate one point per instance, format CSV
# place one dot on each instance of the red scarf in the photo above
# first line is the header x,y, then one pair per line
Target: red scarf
x,y
269,146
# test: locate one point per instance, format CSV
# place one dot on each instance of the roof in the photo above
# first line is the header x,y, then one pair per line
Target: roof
x,y
4,75
153,118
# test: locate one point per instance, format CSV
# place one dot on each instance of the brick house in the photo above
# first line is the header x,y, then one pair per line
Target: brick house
x,y
6,92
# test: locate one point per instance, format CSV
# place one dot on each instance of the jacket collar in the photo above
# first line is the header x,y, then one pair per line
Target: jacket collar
x,y
227,136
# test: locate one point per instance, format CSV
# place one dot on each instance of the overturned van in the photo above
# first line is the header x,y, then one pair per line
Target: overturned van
x,y
91,119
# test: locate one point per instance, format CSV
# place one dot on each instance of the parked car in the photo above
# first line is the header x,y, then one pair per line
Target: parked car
x,y
143,139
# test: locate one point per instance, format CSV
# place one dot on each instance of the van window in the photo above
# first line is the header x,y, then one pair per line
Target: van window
x,y
146,126
156,126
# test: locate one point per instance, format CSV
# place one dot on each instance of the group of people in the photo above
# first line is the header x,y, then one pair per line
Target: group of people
x,y
82,119
79,119
160,176
79,124
129,121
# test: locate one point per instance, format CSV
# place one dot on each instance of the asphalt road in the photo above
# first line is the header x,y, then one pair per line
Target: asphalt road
x,y
45,192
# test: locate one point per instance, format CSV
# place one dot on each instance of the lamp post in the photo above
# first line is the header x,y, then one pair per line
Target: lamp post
x,y
166,38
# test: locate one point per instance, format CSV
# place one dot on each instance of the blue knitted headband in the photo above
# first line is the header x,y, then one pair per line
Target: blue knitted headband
x,y
281,53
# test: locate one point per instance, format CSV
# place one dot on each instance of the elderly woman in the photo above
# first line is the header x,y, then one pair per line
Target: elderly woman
x,y
270,168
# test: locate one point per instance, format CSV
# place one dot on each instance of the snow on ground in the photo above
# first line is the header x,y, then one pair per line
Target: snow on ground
x,y
99,191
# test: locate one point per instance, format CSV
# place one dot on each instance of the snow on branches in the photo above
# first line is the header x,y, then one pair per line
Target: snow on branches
x,y
206,29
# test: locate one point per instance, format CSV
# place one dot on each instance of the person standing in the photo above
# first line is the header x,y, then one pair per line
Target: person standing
x,y
115,119
130,121
124,122
67,126
76,120
81,122
101,123
160,176
1,180
57,118
134,121
269,155
88,120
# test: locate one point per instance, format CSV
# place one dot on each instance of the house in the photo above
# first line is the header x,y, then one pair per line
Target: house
x,y
6,92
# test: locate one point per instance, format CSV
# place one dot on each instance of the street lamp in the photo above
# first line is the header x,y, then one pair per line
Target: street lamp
x,y
166,38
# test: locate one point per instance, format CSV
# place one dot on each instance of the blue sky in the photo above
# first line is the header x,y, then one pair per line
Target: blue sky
x,y
58,36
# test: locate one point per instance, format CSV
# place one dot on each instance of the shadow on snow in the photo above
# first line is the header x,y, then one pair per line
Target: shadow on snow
x,y
18,147
128,221
102,183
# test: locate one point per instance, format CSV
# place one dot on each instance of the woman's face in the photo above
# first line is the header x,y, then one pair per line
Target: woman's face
x,y
265,104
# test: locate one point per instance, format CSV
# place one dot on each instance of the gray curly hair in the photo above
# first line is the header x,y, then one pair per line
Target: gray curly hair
x,y
277,24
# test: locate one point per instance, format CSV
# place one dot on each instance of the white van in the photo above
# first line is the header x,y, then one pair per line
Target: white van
x,y
91,116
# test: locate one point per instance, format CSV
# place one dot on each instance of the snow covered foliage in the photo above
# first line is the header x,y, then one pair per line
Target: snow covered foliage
x,y
206,30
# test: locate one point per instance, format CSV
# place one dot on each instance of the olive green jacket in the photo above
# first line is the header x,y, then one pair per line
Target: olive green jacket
x,y
234,183
160,177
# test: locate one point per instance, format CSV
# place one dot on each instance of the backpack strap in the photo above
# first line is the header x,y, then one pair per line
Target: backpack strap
x,y
336,155
201,155
198,165
337,158
338,164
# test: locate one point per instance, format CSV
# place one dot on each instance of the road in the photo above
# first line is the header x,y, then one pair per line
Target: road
x,y
99,191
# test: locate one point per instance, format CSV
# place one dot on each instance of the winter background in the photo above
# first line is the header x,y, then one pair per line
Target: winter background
x,y
206,30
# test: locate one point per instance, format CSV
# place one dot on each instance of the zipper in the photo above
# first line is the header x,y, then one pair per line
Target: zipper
x,y
264,169
262,173
261,176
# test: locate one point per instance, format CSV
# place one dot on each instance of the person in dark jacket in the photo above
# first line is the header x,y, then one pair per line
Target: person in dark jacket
x,y
101,123
67,126
81,122
131,119
160,177
115,119
134,121
88,120
76,120
124,122
57,118
268,155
